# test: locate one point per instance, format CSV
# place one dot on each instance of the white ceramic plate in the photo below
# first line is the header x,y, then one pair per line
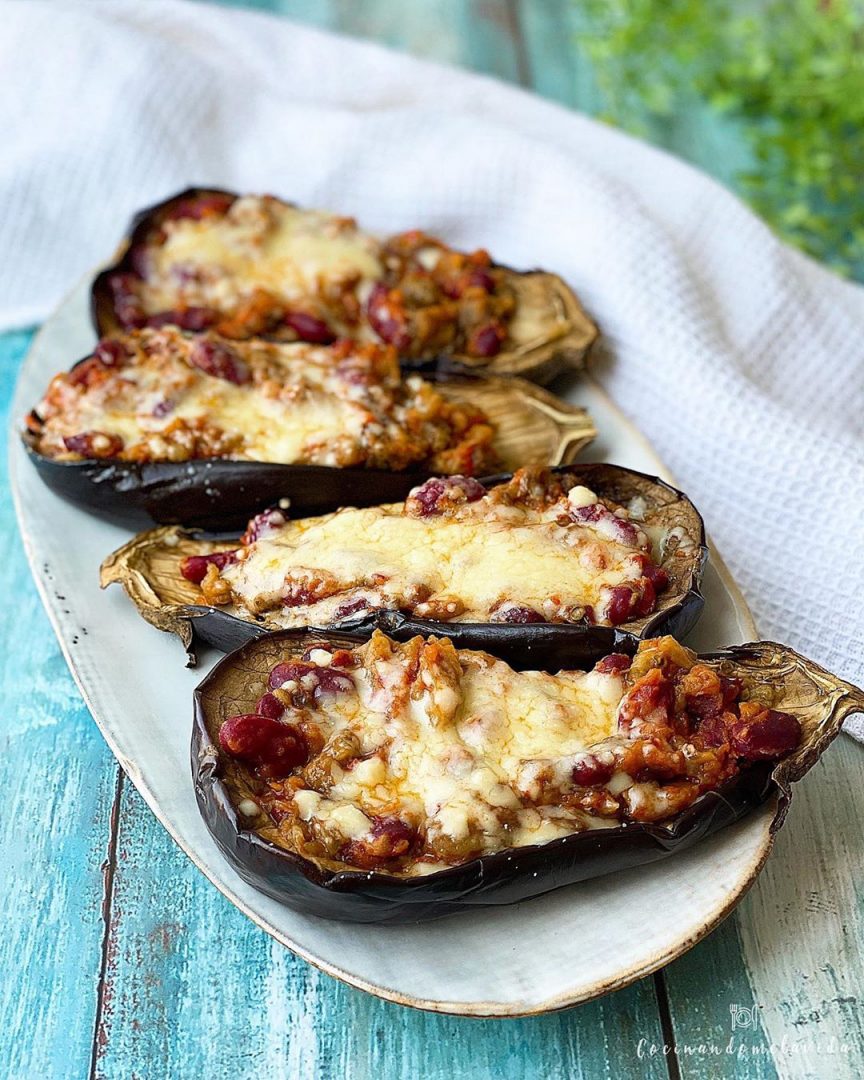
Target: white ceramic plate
x,y
549,953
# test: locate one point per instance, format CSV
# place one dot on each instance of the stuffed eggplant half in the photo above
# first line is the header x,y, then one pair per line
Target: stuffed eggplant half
x,y
253,265
394,782
572,553
201,430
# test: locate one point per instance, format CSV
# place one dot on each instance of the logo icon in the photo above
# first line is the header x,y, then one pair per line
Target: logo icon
x,y
744,1017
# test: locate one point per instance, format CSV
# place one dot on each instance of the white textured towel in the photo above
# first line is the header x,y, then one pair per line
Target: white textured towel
x,y
741,360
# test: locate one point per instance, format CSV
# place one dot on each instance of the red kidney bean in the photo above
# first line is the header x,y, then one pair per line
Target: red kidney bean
x,y
656,575
387,318
217,359
310,678
110,352
713,729
770,734
194,567
93,444
273,749
480,279
310,328
270,705
296,595
625,530
585,515
589,770
613,663
351,607
388,839
264,525
127,306
455,287
619,603
399,833
332,681
486,340
194,319
289,671
645,599
441,492
515,613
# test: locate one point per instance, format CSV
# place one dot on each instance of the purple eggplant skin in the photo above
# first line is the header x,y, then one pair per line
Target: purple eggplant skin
x,y
213,494
573,644
217,494
505,877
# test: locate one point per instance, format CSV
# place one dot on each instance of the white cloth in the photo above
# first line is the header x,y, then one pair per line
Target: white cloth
x,y
741,360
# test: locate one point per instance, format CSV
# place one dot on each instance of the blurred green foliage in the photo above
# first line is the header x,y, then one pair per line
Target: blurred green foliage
x,y
789,74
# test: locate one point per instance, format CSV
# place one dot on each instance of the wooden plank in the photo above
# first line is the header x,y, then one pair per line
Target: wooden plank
x,y
802,926
479,34
318,13
703,987
561,70
792,952
472,33
57,778
558,69
196,989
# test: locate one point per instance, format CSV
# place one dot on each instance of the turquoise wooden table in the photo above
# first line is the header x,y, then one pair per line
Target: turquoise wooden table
x,y
118,959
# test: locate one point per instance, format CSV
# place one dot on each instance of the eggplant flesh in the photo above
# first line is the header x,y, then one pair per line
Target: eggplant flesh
x,y
532,427
819,700
565,342
148,568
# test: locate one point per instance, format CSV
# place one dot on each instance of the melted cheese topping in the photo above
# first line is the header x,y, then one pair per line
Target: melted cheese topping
x,y
272,428
296,407
263,244
454,759
462,568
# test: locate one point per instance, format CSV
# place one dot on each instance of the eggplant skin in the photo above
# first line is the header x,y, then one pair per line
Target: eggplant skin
x,y
213,493
218,494
540,362
506,877
570,644
516,874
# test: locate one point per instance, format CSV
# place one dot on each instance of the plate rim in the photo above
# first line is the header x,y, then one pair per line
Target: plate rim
x,y
477,1009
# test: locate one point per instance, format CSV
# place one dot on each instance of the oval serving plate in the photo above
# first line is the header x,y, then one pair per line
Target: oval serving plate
x,y
549,953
